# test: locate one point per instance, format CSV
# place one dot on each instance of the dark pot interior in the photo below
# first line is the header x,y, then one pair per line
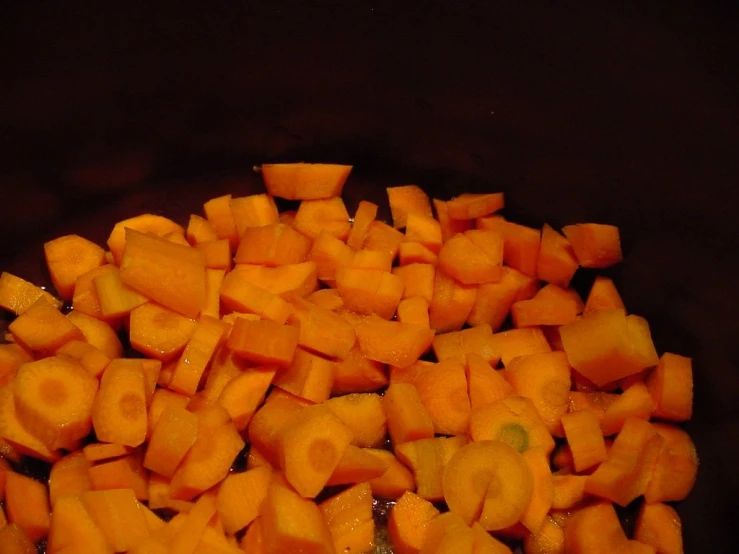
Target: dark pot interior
x,y
580,112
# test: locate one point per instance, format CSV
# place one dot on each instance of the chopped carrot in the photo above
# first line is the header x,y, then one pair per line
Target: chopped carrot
x,y
450,226
256,210
357,465
42,328
253,540
595,245
545,379
485,543
327,214
405,200
659,525
603,296
520,243
98,333
91,358
264,342
414,252
219,215
145,223
186,541
348,516
462,259
288,281
244,393
330,255
304,181
53,399
567,491
414,311
311,448
173,436
472,206
676,467
396,480
557,262
552,305
102,451
368,291
363,217
204,341
364,415
322,331
119,410
448,533
272,245
409,521
535,514
27,505
357,373
494,300
418,280
633,402
383,237
423,230
451,303
443,392
328,299
277,413
14,540
17,295
238,293
407,418
594,529
513,420
15,434
121,473
72,529
427,459
240,497
158,332
308,376
216,254
114,297
392,342
199,230
485,385
520,342
671,388
119,515
70,256
12,357
585,439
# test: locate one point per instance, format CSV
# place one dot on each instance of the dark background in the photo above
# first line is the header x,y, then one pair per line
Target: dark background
x,y
625,114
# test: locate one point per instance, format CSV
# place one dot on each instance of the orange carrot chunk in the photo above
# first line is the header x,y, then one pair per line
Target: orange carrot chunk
x,y
520,243
383,237
671,388
158,332
322,331
357,373
98,333
676,467
17,295
14,540
145,223
407,418
69,476
468,263
485,385
472,206
173,436
448,533
659,525
409,522
603,296
70,256
327,214
119,410
15,435
542,495
405,200
240,496
304,181
72,529
427,459
391,342
585,439
552,305
450,226
363,217
364,415
595,245
396,480
42,328
443,391
494,300
255,210
451,303
634,402
27,505
594,530
205,340
348,516
557,262
424,231
520,342
264,342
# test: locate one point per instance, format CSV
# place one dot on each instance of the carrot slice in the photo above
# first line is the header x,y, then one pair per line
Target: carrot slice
x,y
391,342
330,255
12,357
456,345
413,252
396,480
552,305
199,230
424,231
443,392
557,262
418,280
409,521
603,296
122,473
382,237
13,540
414,311
173,435
585,439
288,281
304,181
240,497
521,243
72,529
357,466
407,417
91,358
327,214
485,385
69,476
98,333
186,541
567,491
542,495
448,533
472,206
364,415
145,223
363,217
264,342
17,294
357,373
671,388
99,452
15,434
513,420
272,245
53,399
676,467
69,256
348,516
308,376
311,449
427,459
659,525
243,394
451,303
449,225
27,505
237,293
119,410
322,331
158,332
42,328
485,543
405,200
594,529
494,300
205,340
462,259
265,428
633,402
255,210
595,245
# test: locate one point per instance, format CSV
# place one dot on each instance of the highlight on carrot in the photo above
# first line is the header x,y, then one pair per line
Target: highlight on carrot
x,y
436,357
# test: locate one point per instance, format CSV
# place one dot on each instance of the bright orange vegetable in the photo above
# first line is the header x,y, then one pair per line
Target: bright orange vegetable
x,y
414,311
594,530
119,410
407,418
53,399
70,256
405,200
11,358
72,529
396,480
676,466
462,259
427,459
521,244
494,300
363,217
392,342
368,291
348,516
357,373
308,376
633,402
472,206
330,255
101,451
327,214
277,413
423,230
27,505
585,439
256,210
272,245
364,415
114,297
91,358
448,533
17,295
303,181
568,491
199,230
15,434
145,223
98,333
322,331
288,281
449,225
13,540
557,262
418,280
603,296
595,245
205,340
659,525
328,299
382,237
237,293
485,385
240,497
542,495
451,303
413,252
552,305
216,254
219,215
520,342
244,393
69,476
158,332
409,522
119,515
42,328
443,391
122,473
357,465
264,342
173,436
671,387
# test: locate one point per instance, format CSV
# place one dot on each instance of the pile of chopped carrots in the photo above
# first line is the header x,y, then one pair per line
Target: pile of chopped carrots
x,y
353,360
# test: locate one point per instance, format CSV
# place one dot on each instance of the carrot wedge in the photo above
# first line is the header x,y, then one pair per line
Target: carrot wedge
x,y
119,410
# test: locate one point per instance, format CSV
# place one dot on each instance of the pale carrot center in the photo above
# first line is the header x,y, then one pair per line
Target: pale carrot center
x,y
131,405
322,455
53,392
515,436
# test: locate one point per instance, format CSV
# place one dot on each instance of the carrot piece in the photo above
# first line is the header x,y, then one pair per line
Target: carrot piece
x,y
98,452
418,280
405,200
4,470
216,254
485,543
176,237
119,515
357,465
594,530
443,392
304,181
372,259
659,525
457,345
450,226
256,459
264,342
253,540
392,342
535,514
545,379
467,263
367,291
552,305
278,412
357,373
327,299
409,522
53,399
327,214
291,523
513,420
556,263
585,439
199,230
114,297
520,342
549,540
158,332
17,295
521,244
485,385
364,415
205,340
308,376
427,459
407,417
119,410
472,206
240,497
14,540
272,245
288,281
423,230
395,481
626,472
414,311
186,541
12,357
447,533
363,217
567,491
330,255
98,333
122,473
595,245
69,256
676,467
603,296
413,252
322,331
27,505
451,303
671,387
634,402
237,293
311,448
72,529
219,215
256,210
145,223
173,436
244,393
348,516
494,300
383,237
15,434
42,328
85,298
210,458
91,358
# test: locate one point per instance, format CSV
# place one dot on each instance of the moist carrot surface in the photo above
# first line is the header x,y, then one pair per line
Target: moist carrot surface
x,y
246,380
